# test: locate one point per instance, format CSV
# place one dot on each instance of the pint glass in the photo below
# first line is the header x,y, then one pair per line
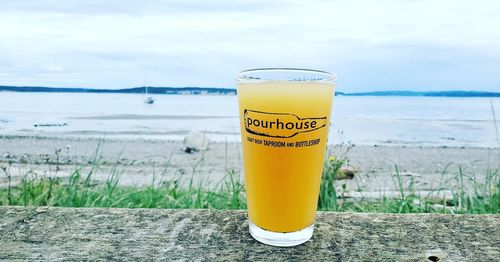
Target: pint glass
x,y
284,119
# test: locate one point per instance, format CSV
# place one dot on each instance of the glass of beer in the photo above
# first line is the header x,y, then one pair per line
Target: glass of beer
x,y
284,117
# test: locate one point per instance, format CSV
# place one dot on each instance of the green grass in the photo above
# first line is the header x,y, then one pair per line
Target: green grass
x,y
82,191
484,199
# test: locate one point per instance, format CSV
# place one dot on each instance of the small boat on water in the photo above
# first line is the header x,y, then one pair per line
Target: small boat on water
x,y
148,99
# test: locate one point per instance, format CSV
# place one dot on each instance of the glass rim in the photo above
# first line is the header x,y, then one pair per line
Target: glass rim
x,y
316,76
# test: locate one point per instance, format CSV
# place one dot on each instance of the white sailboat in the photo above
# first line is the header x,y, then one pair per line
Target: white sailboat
x,y
148,99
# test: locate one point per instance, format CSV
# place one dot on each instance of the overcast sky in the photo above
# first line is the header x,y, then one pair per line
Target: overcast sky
x,y
370,45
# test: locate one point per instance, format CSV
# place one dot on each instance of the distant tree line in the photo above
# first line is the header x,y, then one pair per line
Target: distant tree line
x,y
133,90
231,91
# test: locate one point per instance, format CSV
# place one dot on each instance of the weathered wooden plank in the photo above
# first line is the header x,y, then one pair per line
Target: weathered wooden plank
x,y
206,235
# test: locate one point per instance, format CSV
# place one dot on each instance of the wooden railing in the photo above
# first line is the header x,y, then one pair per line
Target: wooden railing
x,y
209,235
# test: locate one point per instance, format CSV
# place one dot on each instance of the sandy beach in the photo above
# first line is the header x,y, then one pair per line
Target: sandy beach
x,y
139,162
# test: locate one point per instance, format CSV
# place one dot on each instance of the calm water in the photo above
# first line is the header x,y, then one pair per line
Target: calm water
x,y
361,120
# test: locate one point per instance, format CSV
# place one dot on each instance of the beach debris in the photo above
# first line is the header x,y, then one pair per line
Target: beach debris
x,y
345,173
410,174
195,141
442,207
190,150
407,174
24,158
50,125
8,155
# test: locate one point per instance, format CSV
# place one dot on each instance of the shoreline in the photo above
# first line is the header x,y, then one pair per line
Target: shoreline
x,y
127,136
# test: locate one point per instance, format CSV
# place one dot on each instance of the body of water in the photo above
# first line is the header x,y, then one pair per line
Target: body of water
x,y
436,121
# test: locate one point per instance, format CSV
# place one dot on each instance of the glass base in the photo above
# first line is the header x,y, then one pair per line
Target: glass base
x,y
281,239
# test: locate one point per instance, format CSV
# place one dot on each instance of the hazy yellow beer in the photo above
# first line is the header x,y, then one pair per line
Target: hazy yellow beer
x,y
284,115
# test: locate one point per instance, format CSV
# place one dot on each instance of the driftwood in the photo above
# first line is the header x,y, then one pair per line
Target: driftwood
x,y
207,235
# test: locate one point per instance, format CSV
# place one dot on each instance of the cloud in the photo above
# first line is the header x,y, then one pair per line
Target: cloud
x,y
370,45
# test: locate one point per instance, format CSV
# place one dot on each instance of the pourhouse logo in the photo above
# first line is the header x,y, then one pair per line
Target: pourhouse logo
x,y
281,125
